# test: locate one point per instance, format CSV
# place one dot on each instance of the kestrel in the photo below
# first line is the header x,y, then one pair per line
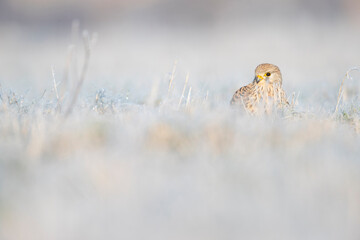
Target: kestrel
x,y
264,92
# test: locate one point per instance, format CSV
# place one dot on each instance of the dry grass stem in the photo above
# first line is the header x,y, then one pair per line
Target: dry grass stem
x,y
183,91
188,98
172,78
54,82
340,94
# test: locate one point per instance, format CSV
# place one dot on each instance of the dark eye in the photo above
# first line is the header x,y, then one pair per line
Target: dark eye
x,y
268,74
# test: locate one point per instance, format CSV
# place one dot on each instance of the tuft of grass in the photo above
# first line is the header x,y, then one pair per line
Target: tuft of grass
x,y
341,88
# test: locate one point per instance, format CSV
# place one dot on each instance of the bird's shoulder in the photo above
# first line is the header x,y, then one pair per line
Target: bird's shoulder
x,y
246,90
243,93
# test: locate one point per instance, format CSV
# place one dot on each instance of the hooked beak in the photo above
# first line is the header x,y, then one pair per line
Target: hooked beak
x,y
259,78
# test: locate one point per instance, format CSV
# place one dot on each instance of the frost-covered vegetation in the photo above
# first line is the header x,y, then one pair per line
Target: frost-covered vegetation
x,y
135,146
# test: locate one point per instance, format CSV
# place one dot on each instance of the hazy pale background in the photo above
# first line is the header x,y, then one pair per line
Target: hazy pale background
x,y
132,163
313,42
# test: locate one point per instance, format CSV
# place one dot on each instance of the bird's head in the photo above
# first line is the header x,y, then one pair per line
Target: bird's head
x,y
267,73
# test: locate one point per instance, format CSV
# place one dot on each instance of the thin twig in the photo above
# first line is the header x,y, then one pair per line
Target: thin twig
x,y
66,70
87,49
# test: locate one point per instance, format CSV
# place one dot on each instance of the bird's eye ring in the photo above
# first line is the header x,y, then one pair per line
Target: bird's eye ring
x,y
268,74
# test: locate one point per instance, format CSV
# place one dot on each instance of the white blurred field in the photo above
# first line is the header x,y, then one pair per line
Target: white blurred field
x,y
132,162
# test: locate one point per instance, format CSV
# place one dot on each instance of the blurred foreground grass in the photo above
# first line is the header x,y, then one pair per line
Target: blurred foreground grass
x,y
115,169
